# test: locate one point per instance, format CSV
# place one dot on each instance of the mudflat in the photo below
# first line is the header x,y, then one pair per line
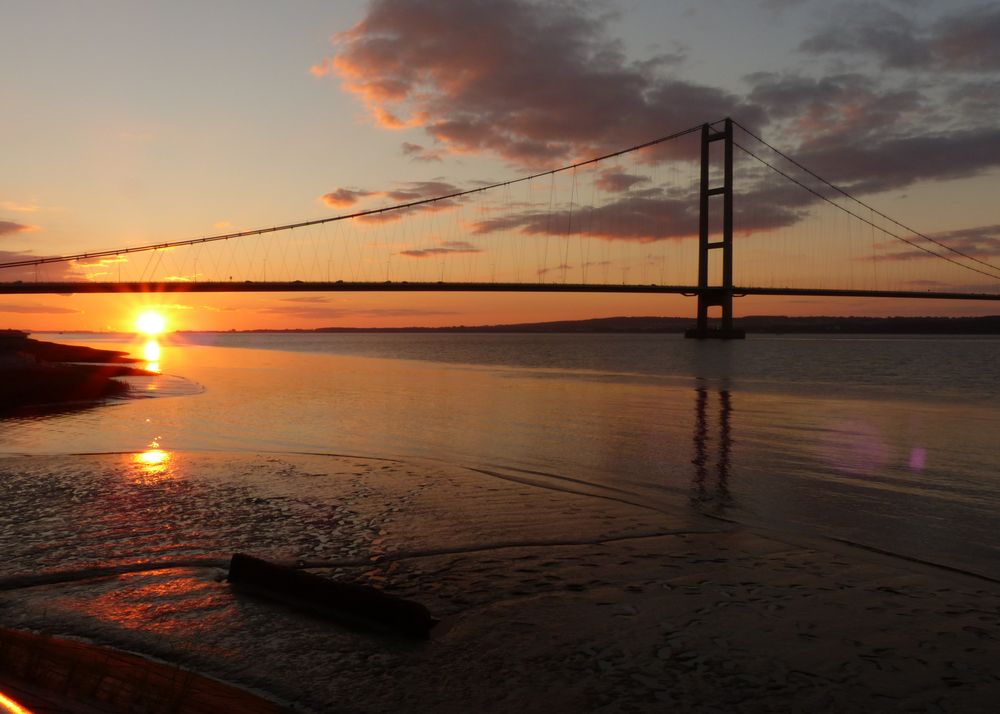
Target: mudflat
x,y
550,600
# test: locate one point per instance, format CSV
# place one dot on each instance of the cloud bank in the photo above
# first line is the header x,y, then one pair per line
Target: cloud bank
x,y
534,83
540,84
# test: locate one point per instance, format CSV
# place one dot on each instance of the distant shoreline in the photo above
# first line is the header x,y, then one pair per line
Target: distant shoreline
x,y
755,324
989,325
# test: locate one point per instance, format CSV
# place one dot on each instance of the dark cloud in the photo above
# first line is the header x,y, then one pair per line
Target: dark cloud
x,y
895,162
645,216
416,191
975,98
834,105
337,313
60,271
540,83
445,248
406,193
308,299
781,5
865,138
653,214
343,197
870,28
416,152
616,180
37,309
532,82
419,190
559,268
767,205
969,40
981,242
9,227
965,40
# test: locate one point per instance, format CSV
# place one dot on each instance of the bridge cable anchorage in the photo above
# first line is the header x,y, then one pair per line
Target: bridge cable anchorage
x,y
859,201
344,217
877,227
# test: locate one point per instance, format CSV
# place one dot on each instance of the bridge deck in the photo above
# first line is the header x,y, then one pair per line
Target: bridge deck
x,y
68,288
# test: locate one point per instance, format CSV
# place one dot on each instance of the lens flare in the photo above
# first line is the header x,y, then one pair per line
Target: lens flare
x,y
9,705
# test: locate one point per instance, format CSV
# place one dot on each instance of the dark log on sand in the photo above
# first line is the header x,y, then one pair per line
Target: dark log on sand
x,y
348,603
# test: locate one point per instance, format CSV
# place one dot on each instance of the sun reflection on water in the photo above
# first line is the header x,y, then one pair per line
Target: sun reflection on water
x,y
151,353
153,463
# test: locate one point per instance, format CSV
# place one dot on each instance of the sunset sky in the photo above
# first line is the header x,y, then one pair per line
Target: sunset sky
x,y
128,123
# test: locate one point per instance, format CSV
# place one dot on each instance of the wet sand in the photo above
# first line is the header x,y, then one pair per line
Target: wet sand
x,y
550,600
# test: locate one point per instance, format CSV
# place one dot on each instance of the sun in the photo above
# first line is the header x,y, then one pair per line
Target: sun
x,y
150,322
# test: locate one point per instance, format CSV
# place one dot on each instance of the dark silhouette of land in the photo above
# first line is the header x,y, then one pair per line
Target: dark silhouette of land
x,y
760,324
35,374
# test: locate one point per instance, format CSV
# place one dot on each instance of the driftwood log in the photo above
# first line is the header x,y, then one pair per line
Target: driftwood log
x,y
348,603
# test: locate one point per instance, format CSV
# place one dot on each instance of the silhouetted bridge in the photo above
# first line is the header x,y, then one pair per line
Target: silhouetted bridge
x,y
658,214
301,286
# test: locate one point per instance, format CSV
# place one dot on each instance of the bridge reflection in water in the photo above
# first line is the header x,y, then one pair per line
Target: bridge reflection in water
x,y
710,486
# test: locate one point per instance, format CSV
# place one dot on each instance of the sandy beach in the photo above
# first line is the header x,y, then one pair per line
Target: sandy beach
x,y
550,600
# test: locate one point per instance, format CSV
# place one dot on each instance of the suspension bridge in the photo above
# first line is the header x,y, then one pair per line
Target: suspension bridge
x,y
665,216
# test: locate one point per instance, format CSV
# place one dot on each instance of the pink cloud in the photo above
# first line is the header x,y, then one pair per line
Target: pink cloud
x,y
343,197
57,271
534,83
445,248
616,180
416,152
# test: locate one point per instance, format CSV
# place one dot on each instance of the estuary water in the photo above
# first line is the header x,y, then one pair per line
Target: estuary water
x,y
887,442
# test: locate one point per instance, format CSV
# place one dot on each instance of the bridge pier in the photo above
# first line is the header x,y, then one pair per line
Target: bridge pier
x,y
724,329
719,295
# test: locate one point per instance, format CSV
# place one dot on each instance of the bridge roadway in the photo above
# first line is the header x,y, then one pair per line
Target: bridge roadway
x,y
69,288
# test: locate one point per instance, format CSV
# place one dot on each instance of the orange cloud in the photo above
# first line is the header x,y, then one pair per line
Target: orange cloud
x,y
322,69
10,227
445,248
343,197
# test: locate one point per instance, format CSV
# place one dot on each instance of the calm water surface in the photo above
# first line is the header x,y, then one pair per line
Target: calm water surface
x,y
890,442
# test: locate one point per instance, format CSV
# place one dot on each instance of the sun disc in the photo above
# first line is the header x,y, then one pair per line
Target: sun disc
x,y
151,323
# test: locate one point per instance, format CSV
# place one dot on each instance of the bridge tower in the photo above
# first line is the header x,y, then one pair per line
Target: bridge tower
x,y
716,295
